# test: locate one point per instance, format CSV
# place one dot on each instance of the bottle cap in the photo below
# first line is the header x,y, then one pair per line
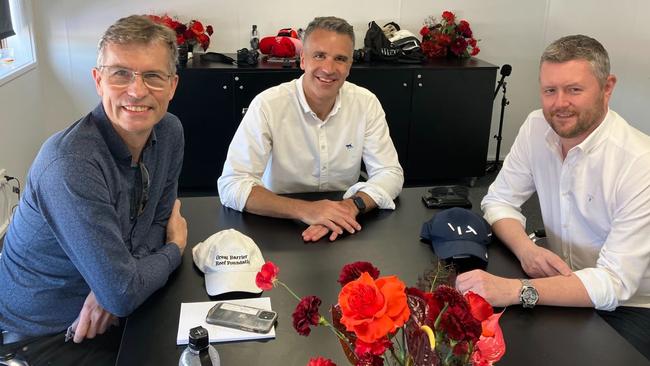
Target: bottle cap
x,y
199,339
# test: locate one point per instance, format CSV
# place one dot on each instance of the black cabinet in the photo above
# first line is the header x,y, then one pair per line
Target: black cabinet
x,y
439,114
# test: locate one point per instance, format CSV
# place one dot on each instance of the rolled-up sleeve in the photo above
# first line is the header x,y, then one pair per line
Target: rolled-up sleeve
x,y
514,184
247,158
623,265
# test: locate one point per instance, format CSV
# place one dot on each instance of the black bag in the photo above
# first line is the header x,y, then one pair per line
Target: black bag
x,y
246,57
378,47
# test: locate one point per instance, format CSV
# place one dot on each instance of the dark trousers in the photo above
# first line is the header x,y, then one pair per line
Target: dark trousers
x,y
53,350
633,324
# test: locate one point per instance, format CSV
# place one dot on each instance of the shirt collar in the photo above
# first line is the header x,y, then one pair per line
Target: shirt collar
x,y
305,106
115,143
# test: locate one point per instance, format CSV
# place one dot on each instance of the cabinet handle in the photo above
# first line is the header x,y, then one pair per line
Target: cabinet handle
x,y
241,87
236,78
420,85
419,76
405,84
225,87
243,111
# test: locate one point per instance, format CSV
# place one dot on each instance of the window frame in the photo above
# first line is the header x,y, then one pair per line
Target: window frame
x,y
23,42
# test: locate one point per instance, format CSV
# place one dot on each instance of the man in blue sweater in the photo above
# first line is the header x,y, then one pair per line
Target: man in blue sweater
x,y
98,228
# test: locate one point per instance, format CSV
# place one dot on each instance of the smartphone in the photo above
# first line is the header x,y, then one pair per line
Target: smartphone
x,y
241,317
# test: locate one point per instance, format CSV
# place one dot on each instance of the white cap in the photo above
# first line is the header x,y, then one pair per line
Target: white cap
x,y
230,261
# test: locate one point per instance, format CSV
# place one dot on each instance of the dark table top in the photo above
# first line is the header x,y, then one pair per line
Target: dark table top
x,y
390,240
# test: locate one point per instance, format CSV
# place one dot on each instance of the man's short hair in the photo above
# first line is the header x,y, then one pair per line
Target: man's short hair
x,y
139,29
579,47
333,24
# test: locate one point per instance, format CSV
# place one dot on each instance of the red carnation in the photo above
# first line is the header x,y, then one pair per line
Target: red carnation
x,y
306,314
377,348
320,361
475,51
352,271
448,16
267,276
425,31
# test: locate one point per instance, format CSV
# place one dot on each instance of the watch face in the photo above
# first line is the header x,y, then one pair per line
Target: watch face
x,y
529,296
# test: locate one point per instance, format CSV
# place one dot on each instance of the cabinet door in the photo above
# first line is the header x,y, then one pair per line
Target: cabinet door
x,y
204,104
248,85
450,123
393,89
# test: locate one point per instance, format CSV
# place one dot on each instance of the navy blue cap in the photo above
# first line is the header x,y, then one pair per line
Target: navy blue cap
x,y
458,232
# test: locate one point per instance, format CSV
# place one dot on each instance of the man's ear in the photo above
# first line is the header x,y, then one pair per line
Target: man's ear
x,y
97,76
302,59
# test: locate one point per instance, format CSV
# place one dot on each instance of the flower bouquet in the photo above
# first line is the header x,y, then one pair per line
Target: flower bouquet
x,y
378,320
189,34
448,38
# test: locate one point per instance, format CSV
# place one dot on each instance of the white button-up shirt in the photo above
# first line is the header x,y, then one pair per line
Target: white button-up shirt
x,y
595,204
282,145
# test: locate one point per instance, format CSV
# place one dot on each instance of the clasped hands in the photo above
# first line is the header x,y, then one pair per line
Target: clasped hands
x,y
327,216
536,261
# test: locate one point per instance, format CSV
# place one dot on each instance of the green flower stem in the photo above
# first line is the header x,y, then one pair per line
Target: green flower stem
x,y
288,289
323,321
399,360
439,318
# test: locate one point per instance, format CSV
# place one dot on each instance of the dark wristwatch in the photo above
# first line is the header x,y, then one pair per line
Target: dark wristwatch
x,y
528,296
358,201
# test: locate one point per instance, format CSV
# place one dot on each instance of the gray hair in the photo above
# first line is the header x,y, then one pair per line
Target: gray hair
x,y
139,29
334,24
579,47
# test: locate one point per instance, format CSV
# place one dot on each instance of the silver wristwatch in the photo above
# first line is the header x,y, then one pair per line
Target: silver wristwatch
x,y
528,296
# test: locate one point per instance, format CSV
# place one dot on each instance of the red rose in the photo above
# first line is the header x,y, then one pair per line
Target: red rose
x,y
475,51
425,31
448,16
459,46
373,309
472,42
306,314
196,27
480,309
320,361
180,39
352,271
203,40
267,276
464,29
443,39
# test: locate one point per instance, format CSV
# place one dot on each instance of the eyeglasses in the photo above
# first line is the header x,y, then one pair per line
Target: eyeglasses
x,y
122,77
139,201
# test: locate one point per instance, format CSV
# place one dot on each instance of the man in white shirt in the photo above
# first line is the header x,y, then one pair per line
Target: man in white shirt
x,y
311,135
591,171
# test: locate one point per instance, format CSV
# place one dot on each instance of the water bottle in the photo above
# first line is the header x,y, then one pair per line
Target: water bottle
x,y
11,359
255,38
199,352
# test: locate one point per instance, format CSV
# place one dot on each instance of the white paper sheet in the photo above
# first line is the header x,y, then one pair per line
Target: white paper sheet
x,y
193,314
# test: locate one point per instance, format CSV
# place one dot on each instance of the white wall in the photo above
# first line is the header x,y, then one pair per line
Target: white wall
x,y
510,31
